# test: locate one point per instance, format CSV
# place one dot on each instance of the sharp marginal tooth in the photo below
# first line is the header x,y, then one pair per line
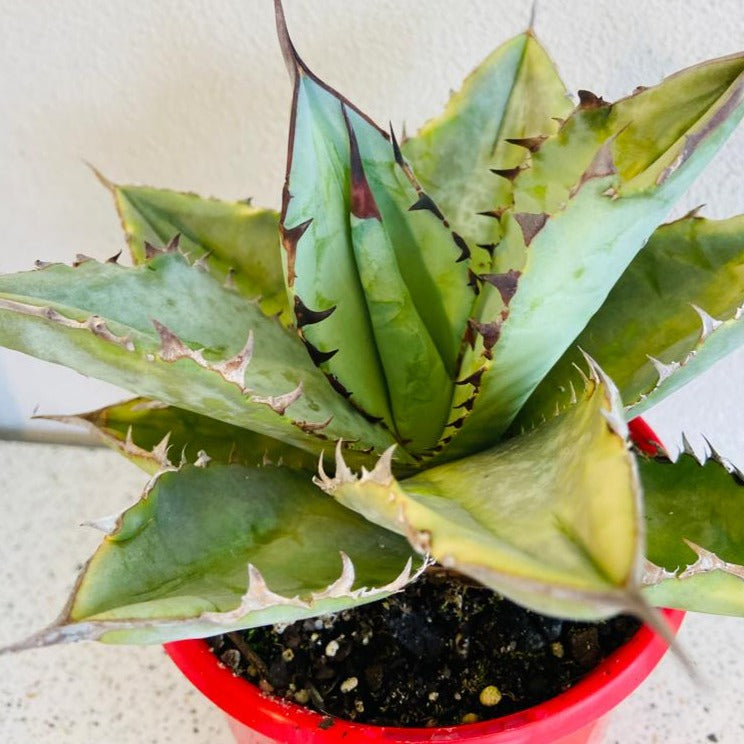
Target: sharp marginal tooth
x,y
714,454
321,479
342,586
107,524
574,399
382,472
709,322
343,472
584,378
664,370
160,450
280,403
687,447
653,574
403,578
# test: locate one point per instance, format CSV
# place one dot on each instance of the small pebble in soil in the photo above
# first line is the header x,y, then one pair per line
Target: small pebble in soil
x,y
349,684
302,697
490,696
431,655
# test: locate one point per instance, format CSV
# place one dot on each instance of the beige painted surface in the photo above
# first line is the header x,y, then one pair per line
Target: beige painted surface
x,y
193,95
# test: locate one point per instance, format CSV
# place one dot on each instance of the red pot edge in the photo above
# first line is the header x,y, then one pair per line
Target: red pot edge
x,y
589,699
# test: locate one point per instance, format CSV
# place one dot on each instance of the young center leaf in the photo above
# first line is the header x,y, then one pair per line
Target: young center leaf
x,y
378,278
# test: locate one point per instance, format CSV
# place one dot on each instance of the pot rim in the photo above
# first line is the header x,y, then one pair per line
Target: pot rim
x,y
588,699
612,680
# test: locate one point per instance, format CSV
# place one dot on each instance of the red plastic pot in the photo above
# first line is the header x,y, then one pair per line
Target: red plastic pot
x,y
577,716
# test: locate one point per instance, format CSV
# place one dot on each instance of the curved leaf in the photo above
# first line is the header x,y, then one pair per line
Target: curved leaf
x,y
236,242
169,331
154,435
650,313
549,519
695,516
589,201
514,94
381,293
209,550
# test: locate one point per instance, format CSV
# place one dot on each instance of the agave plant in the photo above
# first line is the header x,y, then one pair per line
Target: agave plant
x,y
461,315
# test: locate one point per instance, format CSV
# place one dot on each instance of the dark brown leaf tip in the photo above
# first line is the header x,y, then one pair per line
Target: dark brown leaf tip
x,y
151,251
363,204
589,100
531,224
603,164
474,379
530,143
335,383
397,154
290,238
312,428
424,201
489,247
372,419
509,173
305,316
318,356
295,65
467,404
505,283
80,259
490,333
497,213
462,245
473,279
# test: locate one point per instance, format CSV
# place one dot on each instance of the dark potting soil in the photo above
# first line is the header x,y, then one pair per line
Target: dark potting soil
x,y
442,652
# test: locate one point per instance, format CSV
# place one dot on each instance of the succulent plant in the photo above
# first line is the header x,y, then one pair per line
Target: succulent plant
x,y
462,316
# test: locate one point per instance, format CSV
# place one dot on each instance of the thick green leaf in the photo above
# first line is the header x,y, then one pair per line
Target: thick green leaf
x,y
649,312
695,516
209,550
590,200
550,519
169,331
512,95
236,242
153,435
717,340
373,268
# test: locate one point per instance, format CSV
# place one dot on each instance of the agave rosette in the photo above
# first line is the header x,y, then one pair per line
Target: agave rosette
x,y
461,316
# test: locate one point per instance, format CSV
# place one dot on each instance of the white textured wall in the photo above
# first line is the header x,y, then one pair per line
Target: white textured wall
x,y
193,95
